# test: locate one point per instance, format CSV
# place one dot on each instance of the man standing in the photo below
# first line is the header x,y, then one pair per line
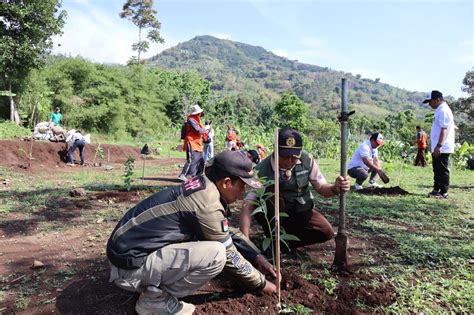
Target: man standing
x,y
173,242
422,145
209,142
365,160
193,144
56,117
442,143
297,171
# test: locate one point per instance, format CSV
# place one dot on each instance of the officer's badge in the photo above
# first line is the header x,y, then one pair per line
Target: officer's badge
x,y
225,225
290,142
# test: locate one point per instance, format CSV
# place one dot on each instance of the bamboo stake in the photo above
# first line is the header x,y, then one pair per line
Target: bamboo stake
x,y
277,218
143,173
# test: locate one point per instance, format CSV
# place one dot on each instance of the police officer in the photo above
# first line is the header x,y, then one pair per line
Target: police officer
x,y
297,171
173,242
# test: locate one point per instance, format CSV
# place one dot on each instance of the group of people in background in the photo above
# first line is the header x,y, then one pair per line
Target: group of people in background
x,y
199,144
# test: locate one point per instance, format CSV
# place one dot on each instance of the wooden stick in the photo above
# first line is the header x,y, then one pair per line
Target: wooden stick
x,y
276,169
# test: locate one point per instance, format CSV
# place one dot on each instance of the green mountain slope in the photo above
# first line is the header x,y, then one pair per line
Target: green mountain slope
x,y
233,67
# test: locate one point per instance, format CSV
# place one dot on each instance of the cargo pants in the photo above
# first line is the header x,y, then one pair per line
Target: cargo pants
x,y
179,269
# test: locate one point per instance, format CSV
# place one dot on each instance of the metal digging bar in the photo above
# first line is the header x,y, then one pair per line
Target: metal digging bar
x,y
340,256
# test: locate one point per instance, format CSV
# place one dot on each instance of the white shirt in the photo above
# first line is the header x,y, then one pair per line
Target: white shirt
x,y
363,150
443,118
210,132
72,136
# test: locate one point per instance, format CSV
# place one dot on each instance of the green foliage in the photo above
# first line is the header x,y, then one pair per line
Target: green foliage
x,y
128,172
291,111
261,207
142,14
10,130
290,308
462,153
37,22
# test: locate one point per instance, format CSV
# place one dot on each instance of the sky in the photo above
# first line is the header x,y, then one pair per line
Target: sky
x,y
418,45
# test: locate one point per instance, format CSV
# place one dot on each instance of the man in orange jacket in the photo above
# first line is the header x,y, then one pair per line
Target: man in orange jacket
x,y
193,144
422,145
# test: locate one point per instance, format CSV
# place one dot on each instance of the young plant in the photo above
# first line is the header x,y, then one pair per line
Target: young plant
x,y
263,195
128,173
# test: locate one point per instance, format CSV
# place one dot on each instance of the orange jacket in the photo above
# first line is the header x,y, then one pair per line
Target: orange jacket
x,y
193,136
421,141
231,135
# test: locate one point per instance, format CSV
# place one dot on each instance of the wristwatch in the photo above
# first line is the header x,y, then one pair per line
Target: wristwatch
x,y
439,145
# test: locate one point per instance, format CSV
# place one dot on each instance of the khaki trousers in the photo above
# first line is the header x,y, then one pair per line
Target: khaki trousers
x,y
180,269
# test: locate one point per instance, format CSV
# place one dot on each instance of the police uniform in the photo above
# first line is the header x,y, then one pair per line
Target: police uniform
x,y
178,239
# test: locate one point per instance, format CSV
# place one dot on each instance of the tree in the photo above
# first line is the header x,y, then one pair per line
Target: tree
x,y
463,109
292,111
25,37
142,14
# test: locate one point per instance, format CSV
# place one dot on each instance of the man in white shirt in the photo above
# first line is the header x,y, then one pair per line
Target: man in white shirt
x,y
365,160
75,140
442,143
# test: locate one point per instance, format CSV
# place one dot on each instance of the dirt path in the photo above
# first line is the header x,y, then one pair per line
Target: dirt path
x,y
52,259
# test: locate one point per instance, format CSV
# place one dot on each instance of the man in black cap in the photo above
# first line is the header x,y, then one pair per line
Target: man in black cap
x,y
297,171
442,143
176,240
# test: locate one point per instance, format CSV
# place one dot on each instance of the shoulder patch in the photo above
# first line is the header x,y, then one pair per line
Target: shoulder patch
x,y
225,225
193,184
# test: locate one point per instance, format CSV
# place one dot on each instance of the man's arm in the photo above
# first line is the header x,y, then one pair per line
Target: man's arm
x,y
246,215
324,188
196,127
442,138
373,165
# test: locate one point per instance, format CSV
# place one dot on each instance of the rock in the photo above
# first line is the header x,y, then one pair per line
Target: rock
x,y
37,264
77,192
108,167
99,221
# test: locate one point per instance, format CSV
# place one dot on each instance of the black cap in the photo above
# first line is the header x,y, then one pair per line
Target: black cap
x,y
254,156
290,143
237,164
434,95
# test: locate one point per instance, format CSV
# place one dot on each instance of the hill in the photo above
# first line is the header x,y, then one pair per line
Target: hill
x,y
233,68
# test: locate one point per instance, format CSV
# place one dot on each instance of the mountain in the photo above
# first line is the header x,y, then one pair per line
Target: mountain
x,y
233,68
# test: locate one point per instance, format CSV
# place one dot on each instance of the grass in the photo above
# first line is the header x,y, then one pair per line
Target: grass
x,y
430,265
421,247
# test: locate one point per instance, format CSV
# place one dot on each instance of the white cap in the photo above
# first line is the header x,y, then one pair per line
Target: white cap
x,y
196,109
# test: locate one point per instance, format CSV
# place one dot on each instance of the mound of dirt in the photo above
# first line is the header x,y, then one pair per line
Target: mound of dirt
x,y
389,191
50,154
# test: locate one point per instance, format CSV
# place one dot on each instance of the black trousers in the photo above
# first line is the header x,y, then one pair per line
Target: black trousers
x,y
441,172
194,163
420,158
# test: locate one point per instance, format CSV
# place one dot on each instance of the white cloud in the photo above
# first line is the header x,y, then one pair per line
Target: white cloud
x,y
280,52
100,36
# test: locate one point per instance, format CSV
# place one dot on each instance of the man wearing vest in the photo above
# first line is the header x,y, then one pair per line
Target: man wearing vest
x,y
297,171
173,242
193,144
422,145
442,143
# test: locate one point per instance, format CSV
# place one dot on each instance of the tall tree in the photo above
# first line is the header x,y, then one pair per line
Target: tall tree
x,y
292,111
142,14
25,37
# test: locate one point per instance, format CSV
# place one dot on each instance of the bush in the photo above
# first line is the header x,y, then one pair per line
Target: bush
x,y
9,130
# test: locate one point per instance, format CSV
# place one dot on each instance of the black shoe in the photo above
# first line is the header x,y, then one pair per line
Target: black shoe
x,y
433,193
443,195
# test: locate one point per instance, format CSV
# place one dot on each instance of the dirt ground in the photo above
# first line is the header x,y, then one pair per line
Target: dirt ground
x,y
67,237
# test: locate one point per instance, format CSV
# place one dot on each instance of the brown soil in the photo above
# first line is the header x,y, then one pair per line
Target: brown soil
x,y
46,154
389,191
68,235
